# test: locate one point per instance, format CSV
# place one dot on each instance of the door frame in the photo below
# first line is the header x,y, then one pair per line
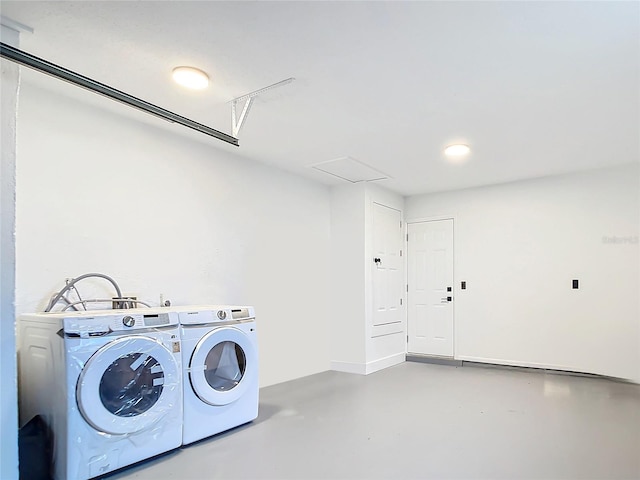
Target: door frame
x,y
433,218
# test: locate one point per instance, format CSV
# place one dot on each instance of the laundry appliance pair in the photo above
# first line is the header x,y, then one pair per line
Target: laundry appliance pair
x,y
119,386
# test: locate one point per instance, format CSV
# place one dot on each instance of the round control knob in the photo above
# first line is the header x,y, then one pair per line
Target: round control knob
x,y
222,314
128,321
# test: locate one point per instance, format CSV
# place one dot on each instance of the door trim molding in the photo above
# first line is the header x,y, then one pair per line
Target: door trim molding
x,y
433,218
373,202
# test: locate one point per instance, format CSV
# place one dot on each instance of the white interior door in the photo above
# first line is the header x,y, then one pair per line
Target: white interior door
x,y
430,287
387,265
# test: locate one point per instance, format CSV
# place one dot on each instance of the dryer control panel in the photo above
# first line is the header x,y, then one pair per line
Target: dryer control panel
x,y
208,314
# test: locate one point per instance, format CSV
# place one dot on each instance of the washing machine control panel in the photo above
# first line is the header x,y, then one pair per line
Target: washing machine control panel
x,y
104,324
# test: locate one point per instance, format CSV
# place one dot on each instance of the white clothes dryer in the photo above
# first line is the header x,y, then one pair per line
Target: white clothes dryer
x,y
107,383
220,369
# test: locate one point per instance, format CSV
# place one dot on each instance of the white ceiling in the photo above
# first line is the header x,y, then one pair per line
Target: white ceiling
x,y
535,88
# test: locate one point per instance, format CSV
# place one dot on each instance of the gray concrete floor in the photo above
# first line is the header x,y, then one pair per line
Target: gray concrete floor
x,y
418,420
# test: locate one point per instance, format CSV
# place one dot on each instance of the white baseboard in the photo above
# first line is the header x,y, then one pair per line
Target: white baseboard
x,y
544,366
515,363
349,367
376,365
367,368
385,362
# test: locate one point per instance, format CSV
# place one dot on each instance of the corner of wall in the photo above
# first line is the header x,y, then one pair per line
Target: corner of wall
x,y
8,372
347,279
519,245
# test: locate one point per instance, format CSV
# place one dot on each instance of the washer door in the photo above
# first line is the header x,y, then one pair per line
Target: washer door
x,y
222,366
127,385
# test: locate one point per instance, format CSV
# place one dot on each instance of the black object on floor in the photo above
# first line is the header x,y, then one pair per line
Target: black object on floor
x,y
34,447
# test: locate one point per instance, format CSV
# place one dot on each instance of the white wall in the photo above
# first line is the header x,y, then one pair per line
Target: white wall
x,y
347,277
8,398
163,214
519,245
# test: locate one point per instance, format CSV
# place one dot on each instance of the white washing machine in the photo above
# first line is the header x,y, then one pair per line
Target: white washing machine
x,y
220,369
108,384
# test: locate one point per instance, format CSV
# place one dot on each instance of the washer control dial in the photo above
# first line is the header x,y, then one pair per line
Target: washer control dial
x,y
222,314
128,321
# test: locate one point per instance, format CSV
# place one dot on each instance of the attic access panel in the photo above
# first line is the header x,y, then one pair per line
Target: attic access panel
x,y
351,170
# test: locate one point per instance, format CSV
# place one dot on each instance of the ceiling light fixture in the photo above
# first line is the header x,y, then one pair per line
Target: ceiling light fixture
x,y
43,66
457,150
191,77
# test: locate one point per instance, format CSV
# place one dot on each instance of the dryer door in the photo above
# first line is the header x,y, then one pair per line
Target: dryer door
x,y
222,366
128,385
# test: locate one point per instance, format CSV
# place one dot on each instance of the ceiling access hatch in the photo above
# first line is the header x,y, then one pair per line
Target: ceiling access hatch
x,y
351,170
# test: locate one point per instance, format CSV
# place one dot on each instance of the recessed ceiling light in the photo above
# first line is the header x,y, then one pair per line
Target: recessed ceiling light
x,y
191,77
457,151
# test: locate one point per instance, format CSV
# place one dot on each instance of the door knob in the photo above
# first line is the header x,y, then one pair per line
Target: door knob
x,y
376,260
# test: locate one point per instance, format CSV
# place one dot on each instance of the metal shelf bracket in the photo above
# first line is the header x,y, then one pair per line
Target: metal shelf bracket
x,y
237,122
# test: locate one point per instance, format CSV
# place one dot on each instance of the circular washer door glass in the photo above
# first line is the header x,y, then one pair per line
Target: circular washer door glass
x,y
128,385
131,385
224,366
